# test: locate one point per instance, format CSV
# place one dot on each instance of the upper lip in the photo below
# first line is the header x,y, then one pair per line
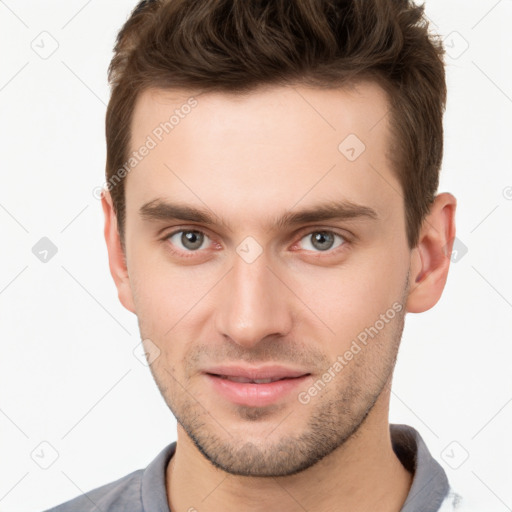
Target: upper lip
x,y
262,372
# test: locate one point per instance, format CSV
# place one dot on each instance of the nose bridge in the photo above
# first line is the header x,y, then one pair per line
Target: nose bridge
x,y
253,303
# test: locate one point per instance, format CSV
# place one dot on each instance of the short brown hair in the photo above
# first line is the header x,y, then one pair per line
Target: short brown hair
x,y
237,45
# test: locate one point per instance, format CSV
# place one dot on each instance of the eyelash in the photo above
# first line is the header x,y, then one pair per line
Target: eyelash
x,y
301,235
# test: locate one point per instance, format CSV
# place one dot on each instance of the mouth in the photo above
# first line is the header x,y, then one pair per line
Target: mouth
x,y
256,373
255,387
234,378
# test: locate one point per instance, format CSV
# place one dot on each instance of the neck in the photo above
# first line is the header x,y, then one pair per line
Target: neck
x,y
362,474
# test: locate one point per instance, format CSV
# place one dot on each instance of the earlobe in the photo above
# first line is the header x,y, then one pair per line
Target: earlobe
x,y
116,256
430,260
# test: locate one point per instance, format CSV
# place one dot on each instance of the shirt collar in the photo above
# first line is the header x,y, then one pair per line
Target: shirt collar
x,y
430,484
153,489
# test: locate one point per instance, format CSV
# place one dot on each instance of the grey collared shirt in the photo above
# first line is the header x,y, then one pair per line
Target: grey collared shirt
x,y
144,490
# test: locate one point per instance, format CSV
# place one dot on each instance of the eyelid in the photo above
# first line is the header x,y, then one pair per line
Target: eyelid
x,y
179,229
309,230
322,229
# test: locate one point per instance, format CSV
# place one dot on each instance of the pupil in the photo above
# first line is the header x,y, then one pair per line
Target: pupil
x,y
192,239
321,238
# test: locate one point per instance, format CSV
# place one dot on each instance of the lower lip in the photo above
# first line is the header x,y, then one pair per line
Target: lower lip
x,y
255,395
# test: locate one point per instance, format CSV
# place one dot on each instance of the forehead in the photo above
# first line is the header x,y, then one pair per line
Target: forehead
x,y
263,151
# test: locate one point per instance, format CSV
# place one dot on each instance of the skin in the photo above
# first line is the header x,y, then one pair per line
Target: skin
x,y
249,160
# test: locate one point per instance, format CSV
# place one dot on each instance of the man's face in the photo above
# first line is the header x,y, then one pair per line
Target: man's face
x,y
249,291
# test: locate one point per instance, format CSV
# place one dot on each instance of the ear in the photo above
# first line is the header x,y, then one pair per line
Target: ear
x,y
430,259
116,256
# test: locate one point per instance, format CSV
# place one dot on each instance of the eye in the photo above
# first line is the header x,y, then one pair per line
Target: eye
x,y
190,240
322,241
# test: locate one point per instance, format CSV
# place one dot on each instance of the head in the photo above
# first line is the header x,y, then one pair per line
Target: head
x,y
272,170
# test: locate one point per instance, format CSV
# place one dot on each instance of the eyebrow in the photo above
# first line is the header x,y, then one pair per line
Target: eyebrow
x,y
161,210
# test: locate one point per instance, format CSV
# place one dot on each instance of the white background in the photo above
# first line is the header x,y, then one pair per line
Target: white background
x,y
68,374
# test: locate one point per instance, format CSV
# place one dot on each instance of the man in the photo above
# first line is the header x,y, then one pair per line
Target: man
x,y
271,216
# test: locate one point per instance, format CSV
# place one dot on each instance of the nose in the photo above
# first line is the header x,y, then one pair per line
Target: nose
x,y
253,303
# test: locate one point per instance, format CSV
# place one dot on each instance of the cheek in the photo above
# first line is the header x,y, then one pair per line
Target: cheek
x,y
155,295
344,301
166,296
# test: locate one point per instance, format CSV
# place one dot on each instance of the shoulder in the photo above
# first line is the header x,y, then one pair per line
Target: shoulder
x,y
121,494
138,491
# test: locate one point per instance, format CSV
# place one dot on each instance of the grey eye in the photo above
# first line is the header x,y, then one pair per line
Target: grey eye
x,y
321,240
189,239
